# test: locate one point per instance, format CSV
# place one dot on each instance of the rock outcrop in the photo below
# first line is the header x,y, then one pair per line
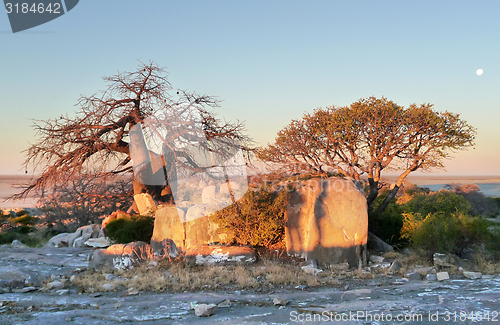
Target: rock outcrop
x,y
90,235
185,232
327,221
120,256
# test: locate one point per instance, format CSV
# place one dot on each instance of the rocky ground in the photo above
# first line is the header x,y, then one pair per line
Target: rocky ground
x,y
380,300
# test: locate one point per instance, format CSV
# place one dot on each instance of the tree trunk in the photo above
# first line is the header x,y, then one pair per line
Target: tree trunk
x,y
372,194
388,199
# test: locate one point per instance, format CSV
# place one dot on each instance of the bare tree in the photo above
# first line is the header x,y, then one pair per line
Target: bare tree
x,y
83,200
99,138
368,137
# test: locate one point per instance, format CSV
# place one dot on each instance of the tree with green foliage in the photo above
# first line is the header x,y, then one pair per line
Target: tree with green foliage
x,y
369,137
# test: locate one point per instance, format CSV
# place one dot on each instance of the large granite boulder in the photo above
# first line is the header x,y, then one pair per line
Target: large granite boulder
x,y
82,234
59,240
172,224
145,204
327,221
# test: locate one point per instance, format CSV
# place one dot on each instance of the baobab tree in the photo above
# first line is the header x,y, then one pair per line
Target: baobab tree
x,y
114,130
370,136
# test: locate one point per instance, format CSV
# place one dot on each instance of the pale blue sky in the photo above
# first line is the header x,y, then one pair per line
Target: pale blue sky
x,y
268,61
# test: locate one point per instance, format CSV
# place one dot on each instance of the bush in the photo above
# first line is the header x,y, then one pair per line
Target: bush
x,y
445,202
481,204
25,220
444,232
128,229
257,220
388,224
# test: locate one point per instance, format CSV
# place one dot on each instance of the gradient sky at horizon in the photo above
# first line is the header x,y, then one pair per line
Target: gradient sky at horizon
x,y
268,61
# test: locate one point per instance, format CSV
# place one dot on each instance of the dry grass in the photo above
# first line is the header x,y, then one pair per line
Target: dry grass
x,y
271,272
267,274
485,264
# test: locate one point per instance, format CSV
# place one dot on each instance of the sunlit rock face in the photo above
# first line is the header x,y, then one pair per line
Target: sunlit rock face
x,y
327,221
184,229
120,256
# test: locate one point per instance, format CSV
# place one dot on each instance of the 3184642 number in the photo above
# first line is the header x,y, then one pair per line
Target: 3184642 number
x,y
40,8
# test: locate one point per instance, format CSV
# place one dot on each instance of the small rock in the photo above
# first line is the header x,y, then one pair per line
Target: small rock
x,y
431,277
473,275
487,276
55,285
424,270
414,276
133,291
204,310
62,292
376,259
301,287
443,260
224,304
72,278
109,276
280,302
151,264
28,289
109,287
441,276
311,270
16,243
395,266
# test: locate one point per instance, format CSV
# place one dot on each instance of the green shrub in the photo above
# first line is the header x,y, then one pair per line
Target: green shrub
x,y
444,232
387,225
257,220
128,229
437,202
25,220
496,200
8,237
21,213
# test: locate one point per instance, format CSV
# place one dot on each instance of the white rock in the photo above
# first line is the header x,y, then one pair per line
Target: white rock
x,y
280,302
431,277
311,270
204,310
473,275
376,259
28,289
441,276
108,287
16,243
59,240
55,285
100,242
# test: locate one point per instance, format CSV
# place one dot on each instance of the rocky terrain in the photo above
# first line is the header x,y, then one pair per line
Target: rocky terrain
x,y
36,289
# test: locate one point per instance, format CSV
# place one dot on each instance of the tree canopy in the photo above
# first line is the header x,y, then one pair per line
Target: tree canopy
x,y
99,139
370,136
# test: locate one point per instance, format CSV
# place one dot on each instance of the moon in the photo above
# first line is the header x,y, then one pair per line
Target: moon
x,y
479,72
